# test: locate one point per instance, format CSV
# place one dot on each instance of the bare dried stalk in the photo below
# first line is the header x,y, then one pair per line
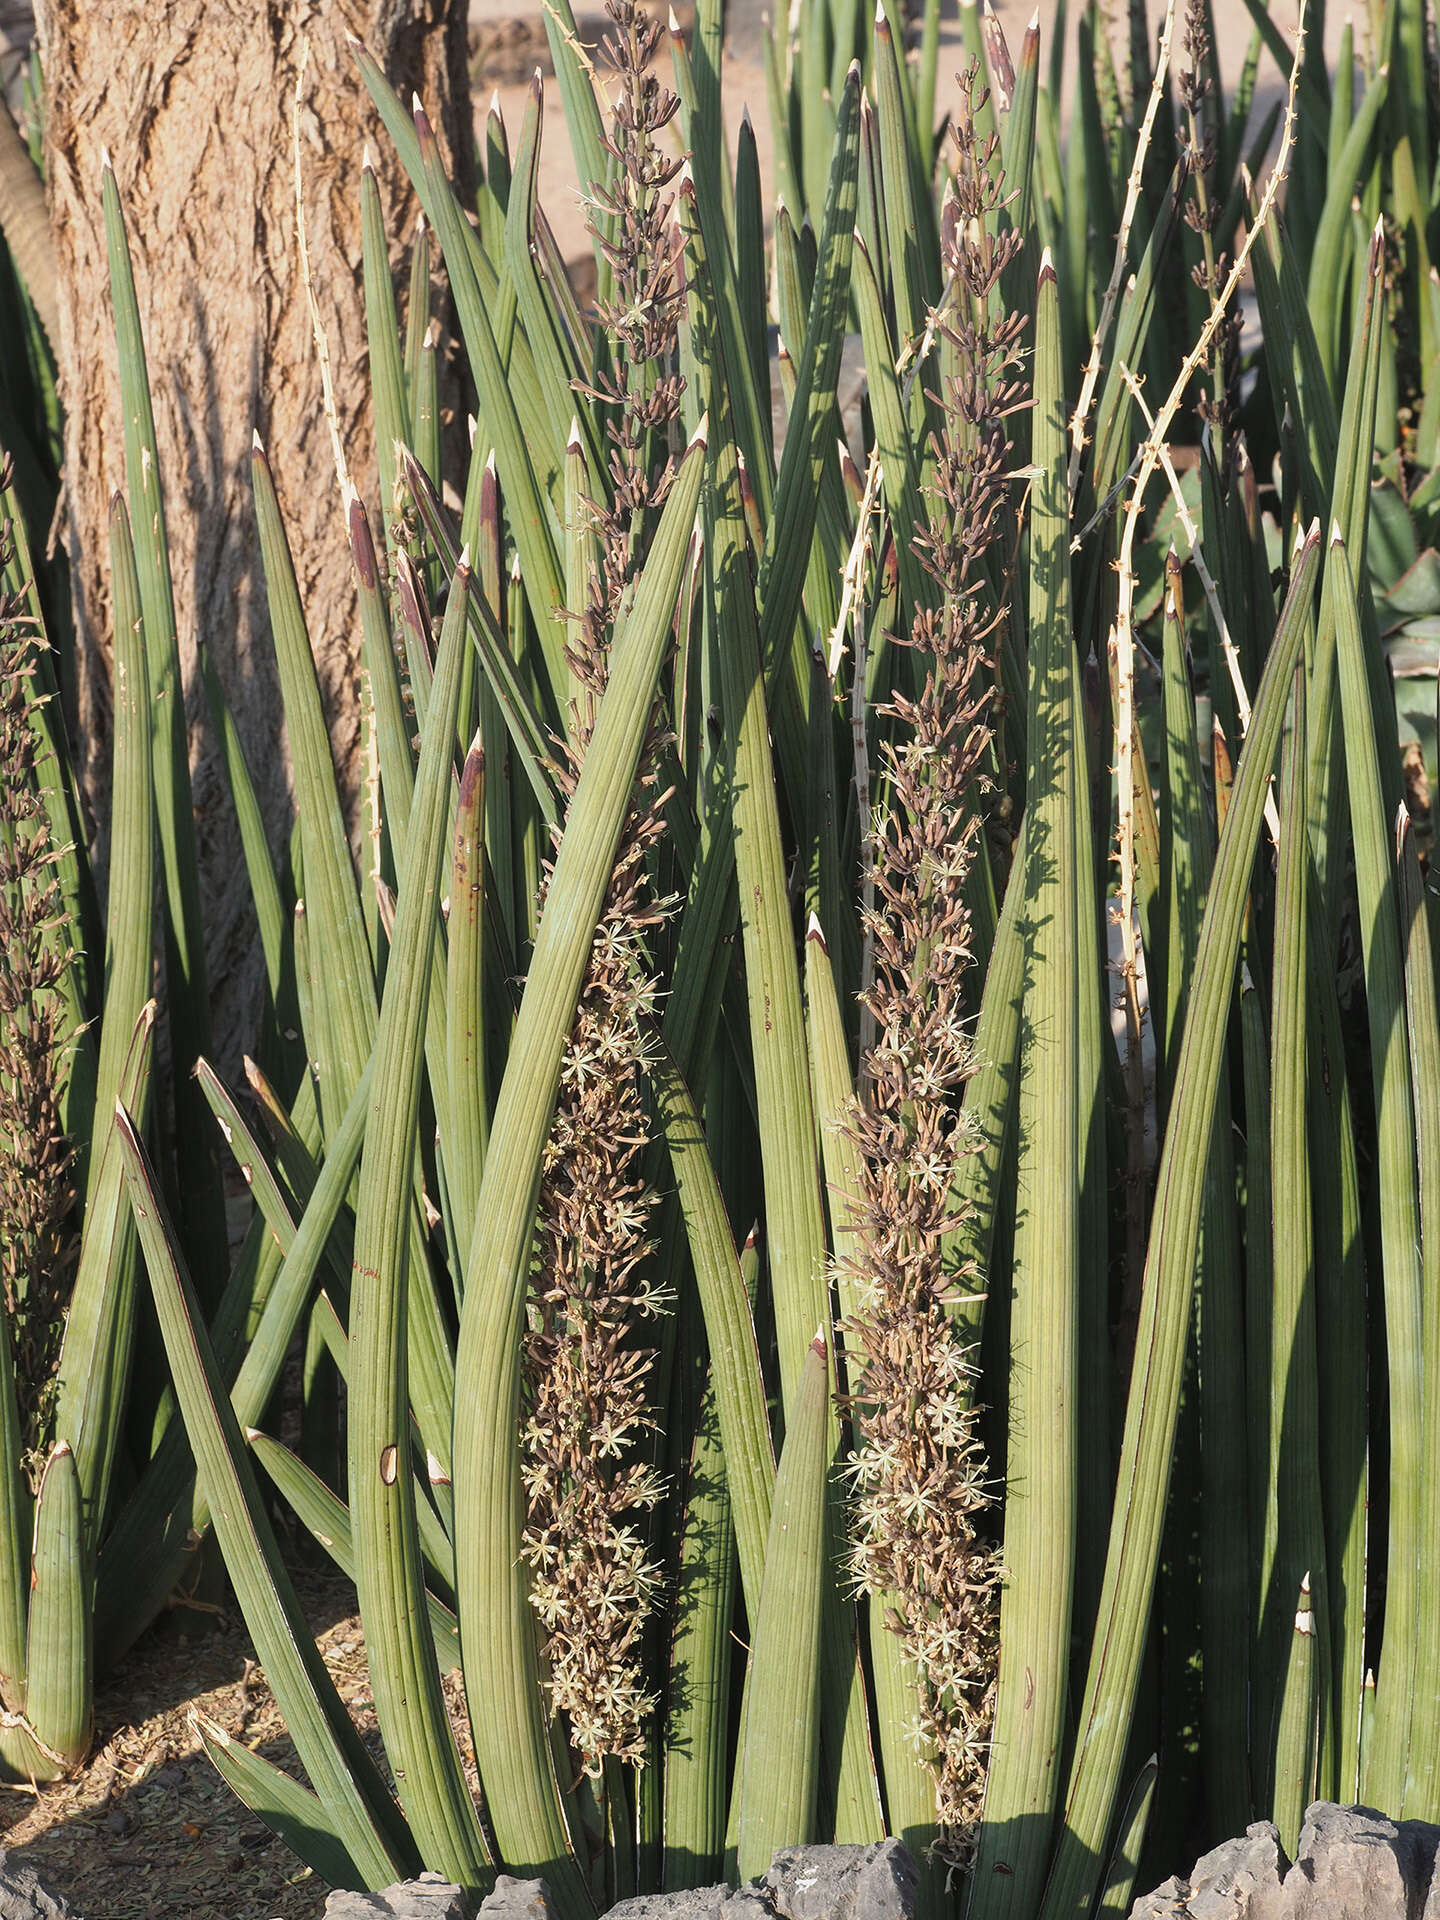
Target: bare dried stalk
x,y
1207,582
1151,453
1133,187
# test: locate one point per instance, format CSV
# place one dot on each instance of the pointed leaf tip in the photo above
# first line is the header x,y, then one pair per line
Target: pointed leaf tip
x,y
813,931
464,560
701,435
674,23
1047,267
257,445
106,164
367,159
574,444
1034,26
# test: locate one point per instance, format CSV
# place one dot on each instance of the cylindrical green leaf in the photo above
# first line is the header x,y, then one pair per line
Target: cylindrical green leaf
x,y
779,1765
497,1627
465,1023
409,1704
1166,1294
697,1728
58,1692
1397,1191
1295,1726
1040,1502
359,1805
289,1809
1294,1530
1422,1786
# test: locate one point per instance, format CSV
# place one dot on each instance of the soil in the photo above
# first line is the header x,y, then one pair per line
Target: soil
x,y
149,1828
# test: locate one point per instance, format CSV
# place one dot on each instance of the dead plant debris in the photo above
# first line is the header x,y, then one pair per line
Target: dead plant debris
x,y
149,1828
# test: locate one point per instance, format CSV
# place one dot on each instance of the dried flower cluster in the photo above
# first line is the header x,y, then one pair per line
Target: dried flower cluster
x,y
588,1482
920,1479
37,1240
631,219
588,1485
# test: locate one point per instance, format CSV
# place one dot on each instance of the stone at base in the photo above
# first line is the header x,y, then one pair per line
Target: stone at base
x,y
695,1903
1352,1864
431,1897
804,1883
877,1882
24,1895
516,1900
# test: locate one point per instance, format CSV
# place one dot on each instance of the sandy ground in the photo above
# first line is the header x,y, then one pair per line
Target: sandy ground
x,y
510,39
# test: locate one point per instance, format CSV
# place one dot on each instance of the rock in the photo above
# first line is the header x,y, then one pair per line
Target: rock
x,y
24,1896
695,1903
877,1882
1351,1864
1354,1864
516,1900
1239,1880
1168,1899
431,1897
750,1903
1242,1877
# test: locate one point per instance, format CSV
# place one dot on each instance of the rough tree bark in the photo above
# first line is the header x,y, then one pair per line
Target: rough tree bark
x,y
193,100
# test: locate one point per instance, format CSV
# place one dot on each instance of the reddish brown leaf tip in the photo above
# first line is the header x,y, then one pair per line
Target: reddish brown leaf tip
x,y
472,777
362,546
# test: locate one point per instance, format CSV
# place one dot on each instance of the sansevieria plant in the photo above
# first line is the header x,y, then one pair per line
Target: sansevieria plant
x,y
863,1169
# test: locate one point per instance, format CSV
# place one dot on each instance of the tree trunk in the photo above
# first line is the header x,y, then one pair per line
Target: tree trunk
x,y
194,102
